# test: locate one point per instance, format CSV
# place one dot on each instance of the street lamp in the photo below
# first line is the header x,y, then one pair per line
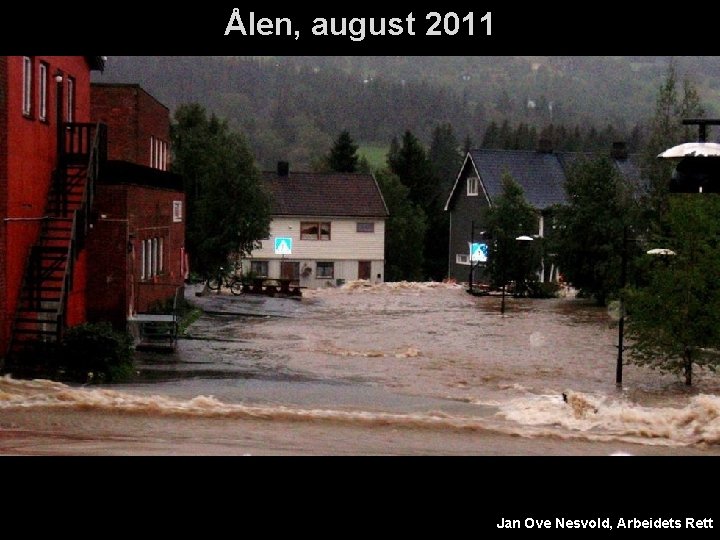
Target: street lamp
x,y
523,238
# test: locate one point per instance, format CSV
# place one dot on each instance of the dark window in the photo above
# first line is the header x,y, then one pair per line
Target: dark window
x,y
259,268
325,270
365,227
313,230
27,90
43,91
71,99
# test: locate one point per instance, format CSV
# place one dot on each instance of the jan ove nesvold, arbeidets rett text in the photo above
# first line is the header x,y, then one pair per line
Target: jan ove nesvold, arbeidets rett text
x,y
606,523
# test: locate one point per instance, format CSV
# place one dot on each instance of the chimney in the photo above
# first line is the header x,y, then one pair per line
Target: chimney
x,y
619,151
545,146
283,168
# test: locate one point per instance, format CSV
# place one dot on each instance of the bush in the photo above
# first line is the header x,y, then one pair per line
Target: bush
x,y
537,289
96,352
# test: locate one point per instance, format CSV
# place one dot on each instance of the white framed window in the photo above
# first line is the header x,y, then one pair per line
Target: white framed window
x,y
473,187
154,257
177,211
27,86
462,258
325,270
148,258
43,70
71,99
143,255
365,227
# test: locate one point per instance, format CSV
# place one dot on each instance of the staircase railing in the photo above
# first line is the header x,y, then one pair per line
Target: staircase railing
x,y
77,137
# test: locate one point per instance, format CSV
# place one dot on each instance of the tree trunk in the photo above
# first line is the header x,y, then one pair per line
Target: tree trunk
x,y
688,368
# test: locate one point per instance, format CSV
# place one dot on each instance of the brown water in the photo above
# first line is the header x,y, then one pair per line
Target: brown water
x,y
389,369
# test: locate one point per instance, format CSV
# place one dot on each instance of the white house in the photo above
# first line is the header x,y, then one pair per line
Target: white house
x,y
326,229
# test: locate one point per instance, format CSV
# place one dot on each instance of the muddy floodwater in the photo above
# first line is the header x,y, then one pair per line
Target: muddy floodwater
x,y
387,369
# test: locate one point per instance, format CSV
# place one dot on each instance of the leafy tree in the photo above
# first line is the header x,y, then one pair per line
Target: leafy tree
x,y
445,157
665,131
405,231
411,164
597,225
510,217
227,208
343,155
674,321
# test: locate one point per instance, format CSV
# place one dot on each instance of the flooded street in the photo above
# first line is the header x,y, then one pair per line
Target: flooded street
x,y
387,369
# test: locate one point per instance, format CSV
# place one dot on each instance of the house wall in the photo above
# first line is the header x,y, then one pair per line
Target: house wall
x,y
345,249
150,215
465,210
133,118
28,147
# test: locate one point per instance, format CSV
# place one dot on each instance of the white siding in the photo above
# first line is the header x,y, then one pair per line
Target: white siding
x,y
345,242
345,249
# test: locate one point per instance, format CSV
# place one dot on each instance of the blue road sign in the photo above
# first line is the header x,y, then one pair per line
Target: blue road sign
x,y
478,252
283,246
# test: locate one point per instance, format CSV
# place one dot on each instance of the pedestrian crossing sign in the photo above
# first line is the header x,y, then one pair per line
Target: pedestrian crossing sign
x,y
283,246
478,252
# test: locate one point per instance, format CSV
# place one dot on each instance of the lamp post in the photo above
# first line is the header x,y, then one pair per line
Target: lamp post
x,y
523,238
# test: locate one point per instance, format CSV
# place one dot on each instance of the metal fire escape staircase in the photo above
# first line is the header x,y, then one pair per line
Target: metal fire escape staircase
x,y
41,315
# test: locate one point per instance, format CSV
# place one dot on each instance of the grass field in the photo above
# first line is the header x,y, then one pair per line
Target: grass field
x,y
375,154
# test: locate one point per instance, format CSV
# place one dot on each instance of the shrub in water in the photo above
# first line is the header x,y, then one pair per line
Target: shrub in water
x,y
96,352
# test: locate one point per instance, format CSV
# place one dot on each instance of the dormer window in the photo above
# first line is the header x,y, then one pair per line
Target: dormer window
x,y
473,188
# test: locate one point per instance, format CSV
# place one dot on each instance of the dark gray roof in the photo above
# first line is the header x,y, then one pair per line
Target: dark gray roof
x,y
541,175
325,194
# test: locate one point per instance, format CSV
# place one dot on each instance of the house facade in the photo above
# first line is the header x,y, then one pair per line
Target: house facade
x,y
138,247
326,229
541,174
46,148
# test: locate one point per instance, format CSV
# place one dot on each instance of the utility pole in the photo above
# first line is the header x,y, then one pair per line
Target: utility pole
x,y
621,321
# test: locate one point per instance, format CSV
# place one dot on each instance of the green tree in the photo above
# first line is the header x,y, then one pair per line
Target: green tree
x,y
665,131
674,320
343,155
411,164
405,231
597,225
509,218
227,207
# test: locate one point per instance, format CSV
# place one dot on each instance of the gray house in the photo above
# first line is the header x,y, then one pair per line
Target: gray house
x,y
541,174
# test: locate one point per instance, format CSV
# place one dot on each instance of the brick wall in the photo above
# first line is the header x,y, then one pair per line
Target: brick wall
x,y
133,116
4,326
150,216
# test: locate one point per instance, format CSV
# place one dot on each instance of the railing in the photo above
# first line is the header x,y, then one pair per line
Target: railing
x,y
96,155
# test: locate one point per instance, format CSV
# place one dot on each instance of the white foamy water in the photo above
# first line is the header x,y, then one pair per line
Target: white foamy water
x,y
396,368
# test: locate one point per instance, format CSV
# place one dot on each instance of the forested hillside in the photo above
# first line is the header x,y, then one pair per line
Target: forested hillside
x,y
293,107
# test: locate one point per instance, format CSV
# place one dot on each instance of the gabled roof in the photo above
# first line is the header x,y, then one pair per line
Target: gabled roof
x,y
541,175
325,195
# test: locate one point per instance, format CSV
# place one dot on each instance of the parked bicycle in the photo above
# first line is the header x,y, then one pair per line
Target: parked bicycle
x,y
225,279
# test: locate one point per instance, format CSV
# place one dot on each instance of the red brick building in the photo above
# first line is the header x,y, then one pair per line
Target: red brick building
x,y
138,248
46,143
82,238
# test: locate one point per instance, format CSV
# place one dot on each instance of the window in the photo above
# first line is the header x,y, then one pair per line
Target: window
x,y
462,258
259,268
158,154
325,270
148,258
152,152
70,99
142,259
177,211
472,186
27,85
365,227
313,230
43,91
161,252
154,257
